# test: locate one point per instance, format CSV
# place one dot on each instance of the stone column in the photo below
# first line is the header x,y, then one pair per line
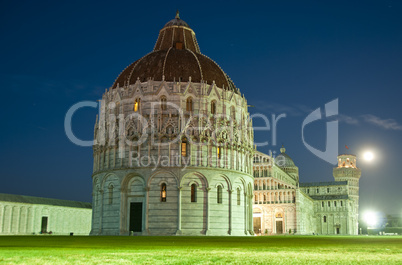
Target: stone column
x,y
178,232
207,190
250,213
130,156
98,159
231,157
94,205
17,227
94,163
285,220
30,220
180,152
146,217
114,156
169,155
230,192
121,152
100,211
123,211
107,157
245,213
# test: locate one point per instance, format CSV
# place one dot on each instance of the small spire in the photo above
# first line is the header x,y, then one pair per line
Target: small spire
x,y
283,150
177,15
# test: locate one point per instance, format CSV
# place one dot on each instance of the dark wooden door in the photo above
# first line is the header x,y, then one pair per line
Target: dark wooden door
x,y
279,229
44,224
257,225
136,216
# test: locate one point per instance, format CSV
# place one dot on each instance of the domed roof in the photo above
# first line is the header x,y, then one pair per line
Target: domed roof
x,y
283,160
177,22
176,57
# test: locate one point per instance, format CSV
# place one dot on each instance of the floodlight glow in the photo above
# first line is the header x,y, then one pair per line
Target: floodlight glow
x,y
368,156
370,218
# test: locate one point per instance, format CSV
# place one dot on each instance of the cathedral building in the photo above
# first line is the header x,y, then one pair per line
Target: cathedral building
x,y
174,155
284,205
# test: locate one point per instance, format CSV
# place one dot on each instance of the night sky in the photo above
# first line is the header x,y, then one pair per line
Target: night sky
x,y
285,56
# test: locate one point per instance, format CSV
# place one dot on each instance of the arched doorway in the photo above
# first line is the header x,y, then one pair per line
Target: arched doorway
x,y
257,216
279,223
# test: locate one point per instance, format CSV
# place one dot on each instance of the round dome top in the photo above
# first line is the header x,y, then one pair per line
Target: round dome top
x,y
177,21
176,58
283,160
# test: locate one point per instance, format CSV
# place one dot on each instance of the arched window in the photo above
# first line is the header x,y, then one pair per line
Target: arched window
x,y
163,192
189,104
213,107
327,190
233,112
117,108
238,197
193,193
255,199
325,219
219,194
137,104
265,198
184,147
334,204
163,103
341,203
308,190
110,188
318,191
329,204
322,204
218,152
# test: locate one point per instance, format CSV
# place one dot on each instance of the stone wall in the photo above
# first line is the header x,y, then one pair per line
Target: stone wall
x,y
26,219
304,214
159,137
209,214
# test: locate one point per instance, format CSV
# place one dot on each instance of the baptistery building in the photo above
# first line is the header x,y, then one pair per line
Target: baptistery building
x,y
173,151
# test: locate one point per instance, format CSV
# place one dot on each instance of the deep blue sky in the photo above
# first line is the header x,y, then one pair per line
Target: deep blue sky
x,y
285,56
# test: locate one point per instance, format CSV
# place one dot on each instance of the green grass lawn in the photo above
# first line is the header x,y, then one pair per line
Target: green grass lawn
x,y
201,250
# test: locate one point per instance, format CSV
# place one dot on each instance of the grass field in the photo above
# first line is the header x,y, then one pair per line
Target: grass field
x,y
200,250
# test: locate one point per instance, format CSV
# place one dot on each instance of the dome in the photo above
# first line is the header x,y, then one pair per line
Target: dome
x,y
283,160
177,22
176,58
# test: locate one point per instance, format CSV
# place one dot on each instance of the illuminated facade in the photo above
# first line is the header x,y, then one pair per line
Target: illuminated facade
x,y
284,205
174,155
28,215
174,146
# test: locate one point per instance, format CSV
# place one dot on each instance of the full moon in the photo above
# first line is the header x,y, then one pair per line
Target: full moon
x,y
368,156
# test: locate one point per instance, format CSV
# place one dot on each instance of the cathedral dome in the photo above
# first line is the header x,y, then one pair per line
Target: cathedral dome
x,y
283,160
176,58
177,22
